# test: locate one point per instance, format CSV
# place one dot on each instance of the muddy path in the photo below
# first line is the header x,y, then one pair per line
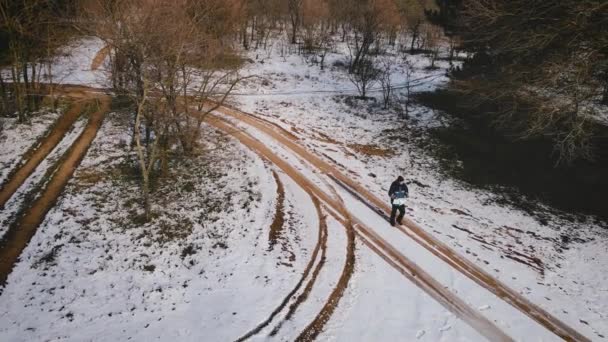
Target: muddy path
x,y
315,274
312,331
414,231
100,56
276,227
321,245
397,260
24,228
40,152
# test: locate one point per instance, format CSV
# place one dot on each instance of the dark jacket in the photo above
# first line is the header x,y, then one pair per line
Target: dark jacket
x,y
395,187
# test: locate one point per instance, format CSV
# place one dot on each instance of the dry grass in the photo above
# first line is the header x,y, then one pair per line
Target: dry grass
x,y
372,150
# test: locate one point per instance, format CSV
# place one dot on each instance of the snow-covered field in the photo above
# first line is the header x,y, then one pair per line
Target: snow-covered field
x,y
204,269
561,254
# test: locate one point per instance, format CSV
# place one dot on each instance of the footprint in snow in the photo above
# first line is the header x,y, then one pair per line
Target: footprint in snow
x,y
484,307
445,328
420,333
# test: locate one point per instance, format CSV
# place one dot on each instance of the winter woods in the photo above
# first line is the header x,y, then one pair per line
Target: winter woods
x,y
31,32
542,63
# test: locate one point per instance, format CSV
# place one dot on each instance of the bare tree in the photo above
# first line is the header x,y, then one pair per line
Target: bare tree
x,y
295,17
368,19
541,63
409,70
31,31
386,69
365,76
434,41
167,58
316,30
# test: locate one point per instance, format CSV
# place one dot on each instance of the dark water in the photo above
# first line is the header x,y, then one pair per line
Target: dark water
x,y
524,171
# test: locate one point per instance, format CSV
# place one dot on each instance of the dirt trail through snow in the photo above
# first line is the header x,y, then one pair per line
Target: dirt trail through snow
x,y
411,229
47,144
100,57
279,217
21,232
385,250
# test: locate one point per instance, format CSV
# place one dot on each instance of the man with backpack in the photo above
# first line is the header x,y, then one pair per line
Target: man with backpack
x,y
398,192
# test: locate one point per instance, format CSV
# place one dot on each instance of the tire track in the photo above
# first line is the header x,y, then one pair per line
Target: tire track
x,y
308,288
434,289
21,231
321,245
40,152
100,56
414,231
279,218
313,330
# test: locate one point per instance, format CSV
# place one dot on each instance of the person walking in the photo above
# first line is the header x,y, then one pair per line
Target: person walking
x,y
398,192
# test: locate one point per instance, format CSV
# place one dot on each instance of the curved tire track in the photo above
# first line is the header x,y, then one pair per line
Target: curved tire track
x,y
308,288
414,231
100,56
313,330
397,260
321,245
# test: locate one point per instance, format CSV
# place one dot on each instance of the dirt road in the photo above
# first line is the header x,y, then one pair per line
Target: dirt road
x,y
383,248
100,57
21,232
411,229
47,144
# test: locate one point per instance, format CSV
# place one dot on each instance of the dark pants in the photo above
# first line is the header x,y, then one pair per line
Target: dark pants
x,y
401,209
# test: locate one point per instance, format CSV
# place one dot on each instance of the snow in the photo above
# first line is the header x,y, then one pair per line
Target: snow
x,y
437,203
73,66
97,276
203,271
512,321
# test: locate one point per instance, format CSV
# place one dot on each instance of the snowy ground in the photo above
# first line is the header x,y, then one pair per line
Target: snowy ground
x,y
203,263
203,271
73,65
568,268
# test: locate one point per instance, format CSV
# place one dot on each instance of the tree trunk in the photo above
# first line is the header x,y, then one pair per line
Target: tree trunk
x,y
26,87
253,28
17,91
413,41
3,90
146,197
245,36
323,62
605,95
294,29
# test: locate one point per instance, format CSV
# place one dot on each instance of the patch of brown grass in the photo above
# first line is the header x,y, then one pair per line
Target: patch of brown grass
x,y
372,150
